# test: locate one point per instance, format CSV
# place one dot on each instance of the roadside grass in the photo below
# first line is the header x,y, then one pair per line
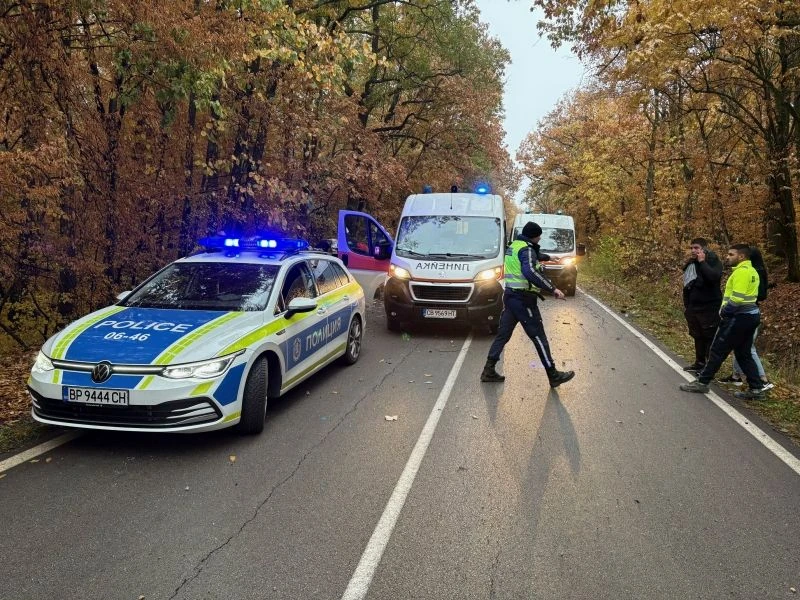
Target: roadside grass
x,y
21,433
657,308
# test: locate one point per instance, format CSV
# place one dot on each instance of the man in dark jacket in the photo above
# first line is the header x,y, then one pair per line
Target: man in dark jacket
x,y
702,297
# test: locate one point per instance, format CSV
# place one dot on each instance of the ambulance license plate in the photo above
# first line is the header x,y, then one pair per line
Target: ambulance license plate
x,y
438,313
95,396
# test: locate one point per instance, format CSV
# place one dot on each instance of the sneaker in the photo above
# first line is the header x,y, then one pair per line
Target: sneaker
x,y
751,394
731,379
559,377
695,386
695,368
767,386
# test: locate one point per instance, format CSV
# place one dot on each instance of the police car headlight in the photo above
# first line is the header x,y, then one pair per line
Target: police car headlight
x,y
489,274
207,369
42,364
399,272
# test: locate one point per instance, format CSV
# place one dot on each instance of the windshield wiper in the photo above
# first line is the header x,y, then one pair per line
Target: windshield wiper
x,y
459,255
411,252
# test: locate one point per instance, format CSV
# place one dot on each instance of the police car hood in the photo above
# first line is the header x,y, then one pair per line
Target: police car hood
x,y
141,336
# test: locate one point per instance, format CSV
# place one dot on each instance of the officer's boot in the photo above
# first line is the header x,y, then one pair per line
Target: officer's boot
x,y
489,375
557,377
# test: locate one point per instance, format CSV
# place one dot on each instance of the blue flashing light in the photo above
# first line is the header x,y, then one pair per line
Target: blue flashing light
x,y
260,244
427,189
482,188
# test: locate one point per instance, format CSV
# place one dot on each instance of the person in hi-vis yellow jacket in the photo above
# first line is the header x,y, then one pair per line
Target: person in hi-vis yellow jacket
x,y
740,318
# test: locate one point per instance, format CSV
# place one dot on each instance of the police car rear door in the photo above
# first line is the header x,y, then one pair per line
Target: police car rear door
x,y
331,280
365,248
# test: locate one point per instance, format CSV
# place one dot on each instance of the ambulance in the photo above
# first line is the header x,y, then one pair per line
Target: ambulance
x,y
558,242
446,264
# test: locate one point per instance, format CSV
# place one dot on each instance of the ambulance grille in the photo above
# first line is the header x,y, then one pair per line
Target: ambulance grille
x,y
175,413
441,293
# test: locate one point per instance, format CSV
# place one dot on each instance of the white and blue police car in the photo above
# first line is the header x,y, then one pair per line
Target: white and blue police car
x,y
204,343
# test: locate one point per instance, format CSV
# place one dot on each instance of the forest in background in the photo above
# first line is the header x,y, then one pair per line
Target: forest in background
x,y
129,129
690,127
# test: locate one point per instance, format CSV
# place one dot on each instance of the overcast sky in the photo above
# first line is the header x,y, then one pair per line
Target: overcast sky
x,y
537,77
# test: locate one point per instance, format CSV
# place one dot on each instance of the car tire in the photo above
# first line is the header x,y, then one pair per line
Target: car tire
x,y
392,324
254,401
570,289
354,338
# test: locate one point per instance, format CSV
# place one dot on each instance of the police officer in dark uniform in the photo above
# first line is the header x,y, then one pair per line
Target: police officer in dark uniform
x,y
525,282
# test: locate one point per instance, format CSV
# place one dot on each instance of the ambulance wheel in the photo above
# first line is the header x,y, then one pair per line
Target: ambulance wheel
x,y
254,402
353,349
570,291
392,324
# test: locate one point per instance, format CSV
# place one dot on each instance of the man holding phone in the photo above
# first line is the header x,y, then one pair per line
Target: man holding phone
x,y
702,297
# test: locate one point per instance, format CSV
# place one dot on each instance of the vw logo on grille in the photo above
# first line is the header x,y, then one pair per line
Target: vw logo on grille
x,y
101,372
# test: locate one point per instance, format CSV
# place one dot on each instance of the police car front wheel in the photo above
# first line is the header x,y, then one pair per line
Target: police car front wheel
x,y
254,401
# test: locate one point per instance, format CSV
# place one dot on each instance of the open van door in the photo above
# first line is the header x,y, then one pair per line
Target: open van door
x,y
365,248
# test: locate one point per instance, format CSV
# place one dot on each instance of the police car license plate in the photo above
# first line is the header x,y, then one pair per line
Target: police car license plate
x,y
438,313
95,396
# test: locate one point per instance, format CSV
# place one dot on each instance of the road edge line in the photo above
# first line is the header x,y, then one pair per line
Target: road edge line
x,y
770,444
361,580
27,455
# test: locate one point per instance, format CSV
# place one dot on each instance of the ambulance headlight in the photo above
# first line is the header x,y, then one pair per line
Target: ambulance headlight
x,y
42,364
399,272
489,274
207,369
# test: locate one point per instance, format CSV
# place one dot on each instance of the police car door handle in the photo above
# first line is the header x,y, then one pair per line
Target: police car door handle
x,y
322,310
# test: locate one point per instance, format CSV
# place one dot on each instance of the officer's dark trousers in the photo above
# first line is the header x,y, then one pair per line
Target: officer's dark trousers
x,y
734,333
520,307
702,327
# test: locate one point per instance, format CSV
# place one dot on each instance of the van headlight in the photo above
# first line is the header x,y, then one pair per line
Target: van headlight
x,y
489,274
568,260
42,364
206,369
399,272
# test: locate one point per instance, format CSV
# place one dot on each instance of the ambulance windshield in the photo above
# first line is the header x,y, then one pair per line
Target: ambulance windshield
x,y
449,237
554,239
207,286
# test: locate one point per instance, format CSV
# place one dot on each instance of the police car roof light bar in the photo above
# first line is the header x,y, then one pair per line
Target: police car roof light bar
x,y
258,244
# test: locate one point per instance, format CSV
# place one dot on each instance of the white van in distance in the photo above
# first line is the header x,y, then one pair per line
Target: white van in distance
x,y
558,241
447,261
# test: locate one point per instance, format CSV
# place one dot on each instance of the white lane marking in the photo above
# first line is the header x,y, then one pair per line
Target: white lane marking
x,y
22,457
787,457
362,577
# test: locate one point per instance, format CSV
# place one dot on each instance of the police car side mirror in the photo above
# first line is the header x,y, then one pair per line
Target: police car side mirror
x,y
581,250
300,305
122,295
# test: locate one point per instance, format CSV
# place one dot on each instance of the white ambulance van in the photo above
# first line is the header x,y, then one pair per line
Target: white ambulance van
x,y
446,264
558,241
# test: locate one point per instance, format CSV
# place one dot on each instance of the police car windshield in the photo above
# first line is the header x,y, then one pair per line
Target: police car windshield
x,y
554,239
464,238
224,286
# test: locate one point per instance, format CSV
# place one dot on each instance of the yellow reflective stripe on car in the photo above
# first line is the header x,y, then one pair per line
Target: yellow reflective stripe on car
x,y
282,323
172,351
60,349
305,371
202,388
232,416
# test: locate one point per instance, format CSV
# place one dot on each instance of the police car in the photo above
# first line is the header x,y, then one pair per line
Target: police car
x,y
203,343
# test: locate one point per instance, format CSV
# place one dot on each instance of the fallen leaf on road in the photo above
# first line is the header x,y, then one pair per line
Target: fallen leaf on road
x,y
793,590
232,458
391,417
382,360
334,392
35,460
428,374
48,459
308,393
428,382
474,416
641,411
411,381
619,421
186,488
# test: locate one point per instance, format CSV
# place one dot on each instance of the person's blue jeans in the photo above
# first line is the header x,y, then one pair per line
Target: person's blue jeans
x,y
734,334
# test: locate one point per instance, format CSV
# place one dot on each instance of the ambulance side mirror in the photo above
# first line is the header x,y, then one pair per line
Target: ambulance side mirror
x,y
581,250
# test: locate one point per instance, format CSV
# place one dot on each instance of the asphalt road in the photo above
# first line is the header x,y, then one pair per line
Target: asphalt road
x,y
617,485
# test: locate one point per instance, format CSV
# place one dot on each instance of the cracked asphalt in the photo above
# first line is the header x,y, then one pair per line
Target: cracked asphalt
x,y
616,485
